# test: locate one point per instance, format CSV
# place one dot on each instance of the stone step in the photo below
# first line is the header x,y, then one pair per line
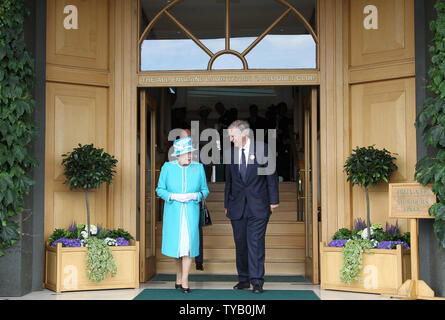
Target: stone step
x,y
227,242
229,255
279,215
218,196
225,228
282,187
221,267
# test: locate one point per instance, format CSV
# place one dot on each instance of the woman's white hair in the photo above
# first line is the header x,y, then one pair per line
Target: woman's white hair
x,y
241,125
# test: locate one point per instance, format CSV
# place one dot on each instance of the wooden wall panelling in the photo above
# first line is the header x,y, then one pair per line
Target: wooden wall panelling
x,y
392,41
75,114
348,223
77,111
123,112
387,52
382,94
332,117
86,47
63,74
383,113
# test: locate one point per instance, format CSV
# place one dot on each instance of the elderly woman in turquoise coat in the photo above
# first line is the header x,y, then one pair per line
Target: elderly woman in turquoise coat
x,y
182,184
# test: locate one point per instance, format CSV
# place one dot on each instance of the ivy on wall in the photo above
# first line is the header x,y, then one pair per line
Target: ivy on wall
x,y
17,127
431,170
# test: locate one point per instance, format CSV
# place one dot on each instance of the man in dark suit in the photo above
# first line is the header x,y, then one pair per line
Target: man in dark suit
x,y
250,198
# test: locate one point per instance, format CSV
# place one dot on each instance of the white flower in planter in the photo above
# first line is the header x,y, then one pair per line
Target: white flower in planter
x,y
110,241
84,234
93,229
365,233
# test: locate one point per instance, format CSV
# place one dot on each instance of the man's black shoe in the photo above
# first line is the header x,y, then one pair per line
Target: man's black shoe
x,y
242,285
257,289
199,266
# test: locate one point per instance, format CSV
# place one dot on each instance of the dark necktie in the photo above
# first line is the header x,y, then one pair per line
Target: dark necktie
x,y
243,166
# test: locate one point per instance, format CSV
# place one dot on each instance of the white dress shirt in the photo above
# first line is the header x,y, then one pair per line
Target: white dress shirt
x,y
246,152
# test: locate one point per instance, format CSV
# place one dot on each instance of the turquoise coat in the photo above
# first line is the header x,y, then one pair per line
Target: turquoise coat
x,y
175,178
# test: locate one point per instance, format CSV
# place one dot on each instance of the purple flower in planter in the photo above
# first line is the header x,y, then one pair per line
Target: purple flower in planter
x,y
68,243
73,227
122,242
390,229
99,229
391,244
359,224
339,243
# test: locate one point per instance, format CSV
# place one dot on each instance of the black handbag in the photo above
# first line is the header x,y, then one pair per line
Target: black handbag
x,y
204,214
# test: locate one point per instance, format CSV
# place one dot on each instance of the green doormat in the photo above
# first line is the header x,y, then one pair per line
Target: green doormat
x,y
226,278
208,294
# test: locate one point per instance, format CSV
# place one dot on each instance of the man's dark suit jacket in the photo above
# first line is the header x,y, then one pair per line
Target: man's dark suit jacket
x,y
260,191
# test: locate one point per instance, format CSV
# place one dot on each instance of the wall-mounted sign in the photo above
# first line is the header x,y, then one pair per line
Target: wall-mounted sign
x,y
221,78
410,200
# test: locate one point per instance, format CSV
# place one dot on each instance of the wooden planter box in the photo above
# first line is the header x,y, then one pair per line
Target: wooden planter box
x,y
65,269
383,272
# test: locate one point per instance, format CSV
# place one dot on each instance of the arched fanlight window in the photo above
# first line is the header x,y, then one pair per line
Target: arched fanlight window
x,y
227,34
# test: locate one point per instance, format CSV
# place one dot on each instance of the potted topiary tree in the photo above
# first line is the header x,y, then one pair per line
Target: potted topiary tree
x,y
97,251
368,167
87,167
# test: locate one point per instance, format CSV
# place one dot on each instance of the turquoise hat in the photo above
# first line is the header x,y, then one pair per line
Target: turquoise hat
x,y
183,145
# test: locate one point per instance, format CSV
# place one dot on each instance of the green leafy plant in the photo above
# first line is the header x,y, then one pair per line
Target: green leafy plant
x,y
343,233
87,167
352,253
431,169
120,233
17,127
100,260
56,235
103,233
368,167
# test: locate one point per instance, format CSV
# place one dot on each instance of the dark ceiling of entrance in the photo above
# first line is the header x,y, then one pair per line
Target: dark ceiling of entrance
x,y
206,18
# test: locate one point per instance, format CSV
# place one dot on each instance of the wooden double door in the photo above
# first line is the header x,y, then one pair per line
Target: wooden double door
x,y
291,242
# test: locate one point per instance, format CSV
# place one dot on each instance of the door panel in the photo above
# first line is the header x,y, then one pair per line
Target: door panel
x,y
311,187
147,186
